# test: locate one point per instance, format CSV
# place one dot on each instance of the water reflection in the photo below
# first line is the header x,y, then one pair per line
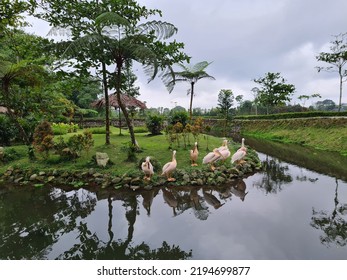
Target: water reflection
x,y
275,175
332,223
296,213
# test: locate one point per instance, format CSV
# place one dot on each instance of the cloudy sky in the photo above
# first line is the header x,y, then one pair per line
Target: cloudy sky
x,y
244,40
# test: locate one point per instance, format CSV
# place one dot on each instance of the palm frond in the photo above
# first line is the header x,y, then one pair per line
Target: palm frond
x,y
111,19
59,31
200,66
162,30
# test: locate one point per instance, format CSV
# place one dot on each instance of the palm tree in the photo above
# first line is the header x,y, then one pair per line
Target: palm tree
x,y
190,74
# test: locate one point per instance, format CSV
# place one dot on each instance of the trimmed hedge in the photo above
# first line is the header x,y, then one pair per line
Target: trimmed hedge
x,y
310,114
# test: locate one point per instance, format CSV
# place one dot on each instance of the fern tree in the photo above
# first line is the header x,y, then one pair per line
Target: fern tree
x,y
118,35
190,74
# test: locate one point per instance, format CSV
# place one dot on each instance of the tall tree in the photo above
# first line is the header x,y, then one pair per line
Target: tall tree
x,y
337,58
117,35
273,91
190,74
225,103
22,77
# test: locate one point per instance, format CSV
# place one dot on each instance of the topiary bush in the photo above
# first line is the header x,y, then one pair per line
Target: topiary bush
x,y
154,124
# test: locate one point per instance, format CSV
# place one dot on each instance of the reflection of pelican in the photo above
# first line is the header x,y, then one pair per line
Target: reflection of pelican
x,y
194,198
194,154
239,189
240,154
147,168
211,158
170,167
147,200
212,200
170,199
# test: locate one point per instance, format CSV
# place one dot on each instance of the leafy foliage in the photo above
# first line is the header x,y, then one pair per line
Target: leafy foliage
x,y
154,123
43,138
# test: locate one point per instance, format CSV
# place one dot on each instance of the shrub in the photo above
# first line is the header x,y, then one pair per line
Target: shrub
x,y
74,146
43,138
154,124
8,155
7,131
64,128
178,116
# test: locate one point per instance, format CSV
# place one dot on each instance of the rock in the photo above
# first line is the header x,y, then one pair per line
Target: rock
x,y
136,181
50,178
33,177
116,180
102,159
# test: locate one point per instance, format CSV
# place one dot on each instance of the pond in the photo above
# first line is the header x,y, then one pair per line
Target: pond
x,y
293,209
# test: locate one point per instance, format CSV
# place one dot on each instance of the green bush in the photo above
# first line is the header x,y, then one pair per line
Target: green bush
x,y
9,154
98,130
43,138
64,128
309,114
7,131
178,116
154,124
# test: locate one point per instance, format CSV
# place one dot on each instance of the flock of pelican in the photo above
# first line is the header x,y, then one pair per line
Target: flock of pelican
x,y
218,154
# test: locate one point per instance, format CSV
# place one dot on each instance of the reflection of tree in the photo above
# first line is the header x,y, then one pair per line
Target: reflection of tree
x,y
90,246
333,225
33,220
275,175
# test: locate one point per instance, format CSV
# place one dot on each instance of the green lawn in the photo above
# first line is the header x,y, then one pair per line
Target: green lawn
x,y
155,146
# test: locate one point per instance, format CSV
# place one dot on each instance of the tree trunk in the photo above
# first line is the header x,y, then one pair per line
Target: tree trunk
x,y
191,101
341,81
121,105
107,104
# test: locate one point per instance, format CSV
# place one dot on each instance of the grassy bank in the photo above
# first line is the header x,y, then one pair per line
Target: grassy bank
x,y
328,134
84,169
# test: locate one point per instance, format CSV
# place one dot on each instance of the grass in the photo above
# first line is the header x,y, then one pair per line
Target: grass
x,y
322,134
155,146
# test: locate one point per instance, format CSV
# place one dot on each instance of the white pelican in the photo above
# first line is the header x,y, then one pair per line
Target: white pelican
x,y
147,168
224,150
240,153
194,154
212,157
170,167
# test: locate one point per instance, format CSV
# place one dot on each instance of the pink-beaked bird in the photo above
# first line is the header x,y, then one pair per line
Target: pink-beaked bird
x,y
170,167
147,168
224,150
211,158
194,153
240,154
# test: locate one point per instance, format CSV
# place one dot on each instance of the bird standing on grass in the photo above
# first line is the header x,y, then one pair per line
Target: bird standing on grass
x,y
147,168
194,154
240,154
170,167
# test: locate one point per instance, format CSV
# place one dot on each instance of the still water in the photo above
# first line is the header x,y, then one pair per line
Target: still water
x,y
287,211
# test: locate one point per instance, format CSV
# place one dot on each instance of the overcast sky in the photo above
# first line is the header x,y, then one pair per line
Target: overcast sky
x,y
245,39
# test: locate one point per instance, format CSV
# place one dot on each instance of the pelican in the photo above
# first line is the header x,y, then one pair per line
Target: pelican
x,y
212,157
240,153
147,168
170,167
224,150
194,154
